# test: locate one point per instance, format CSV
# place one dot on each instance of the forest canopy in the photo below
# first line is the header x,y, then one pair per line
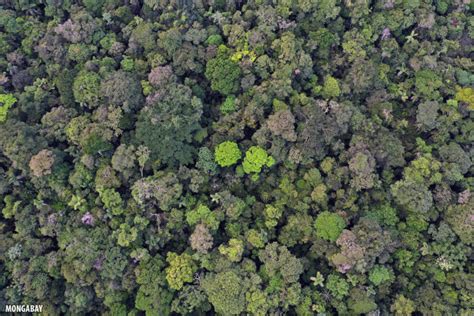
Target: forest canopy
x,y
249,157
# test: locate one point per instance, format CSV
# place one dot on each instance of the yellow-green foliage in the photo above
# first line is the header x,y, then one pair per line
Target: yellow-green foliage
x,y
329,225
227,153
255,238
202,215
245,52
330,88
234,250
6,102
126,235
228,106
466,95
11,206
272,214
423,168
255,158
402,306
379,275
181,270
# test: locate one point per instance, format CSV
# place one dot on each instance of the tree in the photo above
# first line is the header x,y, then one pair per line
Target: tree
x,y
298,230
152,296
234,250
206,161
202,214
223,73
402,306
111,200
272,215
379,275
143,155
282,124
330,88
201,240
338,286
162,189
86,88
6,102
225,292
122,89
19,141
427,82
181,270
466,95
228,106
384,215
360,302
11,206
106,177
460,218
160,77
362,246
412,192
290,157
227,153
126,235
79,28
329,225
167,123
414,196
280,265
55,121
362,166
454,153
41,163
255,158
191,299
123,159
427,115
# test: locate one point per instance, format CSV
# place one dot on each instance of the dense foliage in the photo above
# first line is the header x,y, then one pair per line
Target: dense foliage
x,y
254,157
